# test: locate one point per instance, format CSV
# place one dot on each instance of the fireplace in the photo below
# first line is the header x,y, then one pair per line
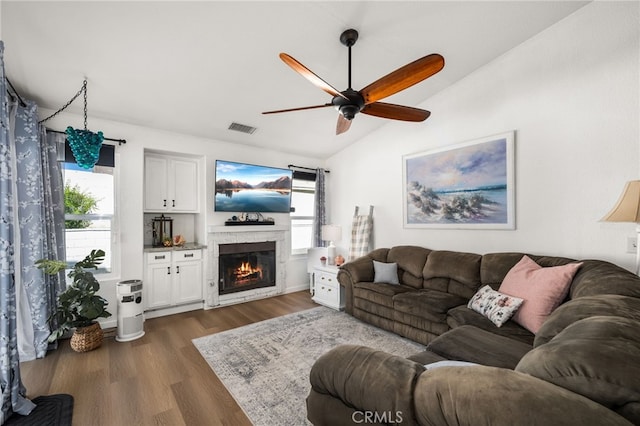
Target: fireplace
x,y
246,266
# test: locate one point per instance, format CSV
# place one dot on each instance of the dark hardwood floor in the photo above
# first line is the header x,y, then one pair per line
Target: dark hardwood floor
x,y
159,379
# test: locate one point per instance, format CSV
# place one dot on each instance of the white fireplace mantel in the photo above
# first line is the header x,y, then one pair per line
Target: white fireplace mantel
x,y
246,228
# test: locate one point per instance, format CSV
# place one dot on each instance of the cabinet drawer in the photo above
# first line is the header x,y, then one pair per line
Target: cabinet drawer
x,y
328,293
184,255
159,257
322,278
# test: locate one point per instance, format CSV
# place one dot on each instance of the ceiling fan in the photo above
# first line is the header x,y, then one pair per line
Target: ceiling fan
x,y
350,102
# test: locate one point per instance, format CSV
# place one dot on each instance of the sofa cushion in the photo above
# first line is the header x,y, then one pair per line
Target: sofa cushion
x,y
453,272
410,260
584,307
380,293
461,315
428,304
496,306
595,357
599,277
472,344
385,272
543,289
426,357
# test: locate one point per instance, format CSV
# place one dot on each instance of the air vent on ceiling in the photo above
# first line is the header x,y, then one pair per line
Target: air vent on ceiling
x,y
242,128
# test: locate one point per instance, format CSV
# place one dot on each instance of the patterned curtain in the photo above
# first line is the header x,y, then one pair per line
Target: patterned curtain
x,y
320,213
40,209
13,392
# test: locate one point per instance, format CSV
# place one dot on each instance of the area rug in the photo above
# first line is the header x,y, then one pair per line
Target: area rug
x,y
265,365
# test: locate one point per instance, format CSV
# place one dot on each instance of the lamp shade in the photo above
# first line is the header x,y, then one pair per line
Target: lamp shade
x,y
627,209
331,232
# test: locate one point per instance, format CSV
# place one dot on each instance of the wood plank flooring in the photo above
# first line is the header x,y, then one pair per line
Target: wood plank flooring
x,y
159,379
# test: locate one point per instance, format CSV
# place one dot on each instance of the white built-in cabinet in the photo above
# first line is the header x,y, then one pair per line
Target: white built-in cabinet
x,y
172,278
170,184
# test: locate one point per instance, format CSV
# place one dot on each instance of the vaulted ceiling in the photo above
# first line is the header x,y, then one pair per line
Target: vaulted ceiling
x,y
196,67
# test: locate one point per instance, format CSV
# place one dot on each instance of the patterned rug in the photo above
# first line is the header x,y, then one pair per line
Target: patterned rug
x,y
265,365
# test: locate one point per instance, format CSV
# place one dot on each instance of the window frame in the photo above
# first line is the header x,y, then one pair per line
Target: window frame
x,y
115,243
307,177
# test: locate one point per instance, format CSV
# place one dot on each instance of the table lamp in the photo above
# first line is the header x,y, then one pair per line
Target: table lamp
x,y
331,233
627,209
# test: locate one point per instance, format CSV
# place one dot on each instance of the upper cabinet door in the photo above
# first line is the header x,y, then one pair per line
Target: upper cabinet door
x,y
156,194
170,184
185,185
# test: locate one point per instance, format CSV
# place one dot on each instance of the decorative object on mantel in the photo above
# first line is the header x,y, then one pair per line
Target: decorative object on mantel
x,y
339,260
162,228
249,219
627,209
79,305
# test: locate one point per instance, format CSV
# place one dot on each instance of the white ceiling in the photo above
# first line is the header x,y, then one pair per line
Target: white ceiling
x,y
196,67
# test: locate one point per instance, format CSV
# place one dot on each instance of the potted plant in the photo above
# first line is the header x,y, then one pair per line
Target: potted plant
x,y
79,305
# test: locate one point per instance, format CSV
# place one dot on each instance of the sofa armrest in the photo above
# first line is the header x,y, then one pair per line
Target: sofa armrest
x,y
357,381
350,273
480,395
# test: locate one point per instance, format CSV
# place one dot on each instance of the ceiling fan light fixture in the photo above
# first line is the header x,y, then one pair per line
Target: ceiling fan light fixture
x,y
349,111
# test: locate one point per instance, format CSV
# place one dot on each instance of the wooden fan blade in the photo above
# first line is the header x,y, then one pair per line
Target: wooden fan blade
x,y
395,112
343,124
402,78
310,75
297,109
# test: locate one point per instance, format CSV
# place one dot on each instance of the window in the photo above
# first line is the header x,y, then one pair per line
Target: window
x,y
90,209
303,201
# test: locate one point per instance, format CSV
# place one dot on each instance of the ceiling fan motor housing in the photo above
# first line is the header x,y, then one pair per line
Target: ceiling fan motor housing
x,y
351,106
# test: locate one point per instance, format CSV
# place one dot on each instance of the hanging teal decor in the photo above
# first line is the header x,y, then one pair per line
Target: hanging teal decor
x,y
85,146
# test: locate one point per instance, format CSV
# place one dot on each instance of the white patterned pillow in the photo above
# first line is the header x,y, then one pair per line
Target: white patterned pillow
x,y
496,306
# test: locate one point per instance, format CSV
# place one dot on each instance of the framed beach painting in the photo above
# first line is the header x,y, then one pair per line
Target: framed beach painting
x,y
465,186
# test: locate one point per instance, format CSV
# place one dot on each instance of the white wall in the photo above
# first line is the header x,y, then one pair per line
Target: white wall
x,y
130,157
571,93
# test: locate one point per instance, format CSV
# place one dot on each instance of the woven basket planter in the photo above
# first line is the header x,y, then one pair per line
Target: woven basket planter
x,y
86,339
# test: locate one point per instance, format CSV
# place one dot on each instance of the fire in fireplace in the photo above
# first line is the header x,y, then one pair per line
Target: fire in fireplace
x,y
246,266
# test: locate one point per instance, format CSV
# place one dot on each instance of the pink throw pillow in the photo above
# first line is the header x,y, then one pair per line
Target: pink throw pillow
x,y
543,289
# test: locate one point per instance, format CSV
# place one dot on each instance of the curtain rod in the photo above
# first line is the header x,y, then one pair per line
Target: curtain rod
x,y
15,92
120,141
305,168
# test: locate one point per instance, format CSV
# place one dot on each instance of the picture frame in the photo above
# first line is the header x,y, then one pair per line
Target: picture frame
x,y
470,185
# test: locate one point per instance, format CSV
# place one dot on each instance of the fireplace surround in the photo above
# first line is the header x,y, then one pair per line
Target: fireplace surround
x,y
220,236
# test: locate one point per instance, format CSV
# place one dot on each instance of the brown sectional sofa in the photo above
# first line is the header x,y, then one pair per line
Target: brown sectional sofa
x,y
581,367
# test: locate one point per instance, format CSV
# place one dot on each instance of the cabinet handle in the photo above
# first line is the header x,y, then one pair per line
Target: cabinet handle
x,y
168,270
173,202
158,257
164,203
188,255
177,269
329,290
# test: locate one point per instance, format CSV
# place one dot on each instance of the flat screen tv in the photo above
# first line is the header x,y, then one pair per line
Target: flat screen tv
x,y
242,187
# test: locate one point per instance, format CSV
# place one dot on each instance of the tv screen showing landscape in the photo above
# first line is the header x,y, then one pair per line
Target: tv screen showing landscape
x,y
244,187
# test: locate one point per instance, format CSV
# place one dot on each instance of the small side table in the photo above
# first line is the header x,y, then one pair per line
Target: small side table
x,y
328,291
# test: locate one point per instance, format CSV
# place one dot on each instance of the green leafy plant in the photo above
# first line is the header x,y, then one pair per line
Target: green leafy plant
x,y
77,201
79,305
